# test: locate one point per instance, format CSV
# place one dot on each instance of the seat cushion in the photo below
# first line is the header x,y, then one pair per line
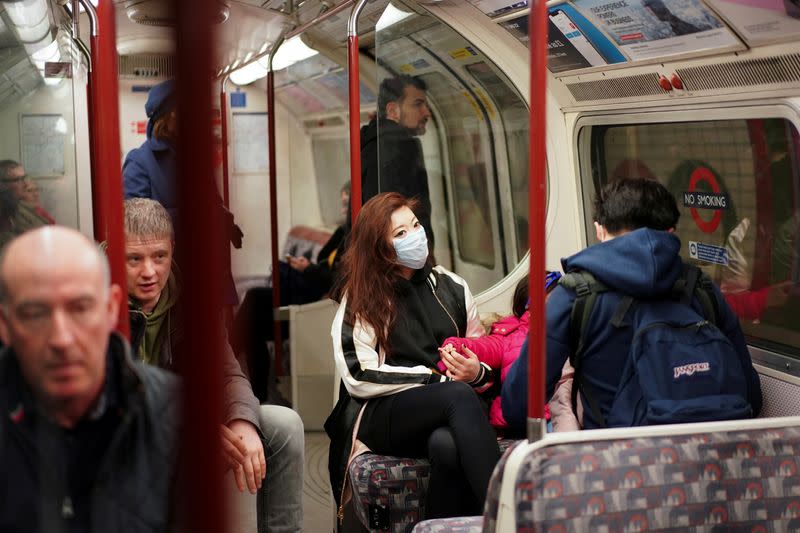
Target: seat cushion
x,y
392,489
464,524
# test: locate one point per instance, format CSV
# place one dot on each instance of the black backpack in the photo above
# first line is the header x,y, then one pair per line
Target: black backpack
x,y
680,367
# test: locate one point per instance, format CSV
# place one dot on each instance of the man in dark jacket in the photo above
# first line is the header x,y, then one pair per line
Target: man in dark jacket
x,y
249,429
638,255
391,154
87,436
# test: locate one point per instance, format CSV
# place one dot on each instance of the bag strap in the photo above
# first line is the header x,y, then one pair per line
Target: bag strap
x,y
694,283
587,289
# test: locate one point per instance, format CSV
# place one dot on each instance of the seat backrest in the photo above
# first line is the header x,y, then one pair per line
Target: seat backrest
x,y
780,393
727,475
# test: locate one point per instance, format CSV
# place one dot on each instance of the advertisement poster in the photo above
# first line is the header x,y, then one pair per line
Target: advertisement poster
x,y
572,41
494,8
762,21
647,29
562,55
518,27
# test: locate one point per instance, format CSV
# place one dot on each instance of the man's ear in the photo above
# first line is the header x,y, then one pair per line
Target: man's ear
x,y
393,111
600,231
671,230
114,299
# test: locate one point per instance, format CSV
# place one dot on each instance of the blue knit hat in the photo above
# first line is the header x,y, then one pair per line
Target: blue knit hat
x,y
158,102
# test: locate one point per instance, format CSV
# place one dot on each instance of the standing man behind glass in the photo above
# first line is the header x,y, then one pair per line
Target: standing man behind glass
x,y
391,154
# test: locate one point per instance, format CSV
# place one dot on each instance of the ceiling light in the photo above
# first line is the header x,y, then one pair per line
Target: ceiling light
x,y
248,73
30,19
291,52
391,15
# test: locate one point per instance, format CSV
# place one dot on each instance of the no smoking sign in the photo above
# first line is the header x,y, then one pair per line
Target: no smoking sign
x,y
715,201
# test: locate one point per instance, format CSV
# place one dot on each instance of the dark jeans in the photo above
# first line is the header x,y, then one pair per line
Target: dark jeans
x,y
446,423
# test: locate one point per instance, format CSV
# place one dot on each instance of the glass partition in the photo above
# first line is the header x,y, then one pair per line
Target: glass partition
x,y
452,130
38,176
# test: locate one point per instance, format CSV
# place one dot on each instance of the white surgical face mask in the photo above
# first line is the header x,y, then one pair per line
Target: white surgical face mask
x,y
412,250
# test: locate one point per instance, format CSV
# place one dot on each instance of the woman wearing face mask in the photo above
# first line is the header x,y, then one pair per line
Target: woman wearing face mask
x,y
396,309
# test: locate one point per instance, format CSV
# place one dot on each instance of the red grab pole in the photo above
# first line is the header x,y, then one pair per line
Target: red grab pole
x,y
201,244
99,217
537,192
223,115
355,110
107,172
273,217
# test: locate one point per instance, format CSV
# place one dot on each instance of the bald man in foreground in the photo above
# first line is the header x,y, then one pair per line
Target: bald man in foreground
x,y
87,436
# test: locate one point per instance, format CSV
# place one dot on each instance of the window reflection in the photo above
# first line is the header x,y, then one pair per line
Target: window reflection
x,y
737,183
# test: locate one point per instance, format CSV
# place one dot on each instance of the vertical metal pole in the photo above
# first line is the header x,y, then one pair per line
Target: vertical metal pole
x,y
355,110
106,132
277,336
99,209
223,112
537,191
201,242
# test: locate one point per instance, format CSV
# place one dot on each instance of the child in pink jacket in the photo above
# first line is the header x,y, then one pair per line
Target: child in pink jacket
x,y
501,347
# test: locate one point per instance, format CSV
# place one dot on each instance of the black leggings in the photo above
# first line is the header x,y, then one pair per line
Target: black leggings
x,y
446,423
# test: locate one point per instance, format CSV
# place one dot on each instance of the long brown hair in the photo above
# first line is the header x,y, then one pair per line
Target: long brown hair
x,y
369,272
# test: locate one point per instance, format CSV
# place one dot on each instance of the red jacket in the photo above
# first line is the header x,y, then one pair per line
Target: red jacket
x,y
498,350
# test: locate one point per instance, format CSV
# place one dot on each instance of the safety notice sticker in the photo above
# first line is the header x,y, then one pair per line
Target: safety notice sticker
x,y
708,253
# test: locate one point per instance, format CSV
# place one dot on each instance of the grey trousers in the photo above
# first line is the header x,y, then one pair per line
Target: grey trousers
x,y
283,486
278,506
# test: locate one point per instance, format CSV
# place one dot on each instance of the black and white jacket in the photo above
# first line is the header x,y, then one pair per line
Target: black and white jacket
x,y
433,305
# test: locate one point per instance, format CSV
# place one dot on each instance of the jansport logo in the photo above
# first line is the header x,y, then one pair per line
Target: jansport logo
x,y
691,368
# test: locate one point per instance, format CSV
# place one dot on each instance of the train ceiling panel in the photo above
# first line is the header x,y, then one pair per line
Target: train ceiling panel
x,y
311,67
249,28
334,28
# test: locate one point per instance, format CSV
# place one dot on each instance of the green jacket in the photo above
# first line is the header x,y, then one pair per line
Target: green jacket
x,y
240,403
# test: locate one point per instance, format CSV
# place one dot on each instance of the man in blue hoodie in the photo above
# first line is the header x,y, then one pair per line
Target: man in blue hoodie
x,y
638,255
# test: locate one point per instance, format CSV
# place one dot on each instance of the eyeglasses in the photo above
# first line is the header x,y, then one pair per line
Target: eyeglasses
x,y
551,279
14,180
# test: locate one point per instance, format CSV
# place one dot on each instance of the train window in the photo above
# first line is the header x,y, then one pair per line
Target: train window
x,y
737,184
470,186
477,165
514,114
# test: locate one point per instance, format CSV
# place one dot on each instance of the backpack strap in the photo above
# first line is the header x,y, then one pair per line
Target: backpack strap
x,y
694,283
705,294
586,289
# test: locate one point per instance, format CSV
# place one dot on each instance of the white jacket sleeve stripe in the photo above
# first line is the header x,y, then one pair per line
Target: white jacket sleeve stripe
x,y
360,366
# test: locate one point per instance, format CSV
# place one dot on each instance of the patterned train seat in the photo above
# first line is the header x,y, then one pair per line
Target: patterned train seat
x,y
474,524
389,492
721,476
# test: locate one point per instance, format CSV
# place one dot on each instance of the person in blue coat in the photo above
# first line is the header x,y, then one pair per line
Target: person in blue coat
x,y
637,255
150,170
